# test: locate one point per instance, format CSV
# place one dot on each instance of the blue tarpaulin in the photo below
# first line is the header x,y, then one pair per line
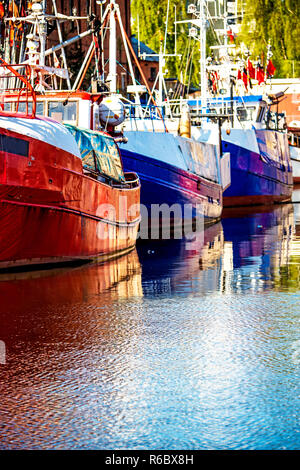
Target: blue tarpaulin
x,y
99,152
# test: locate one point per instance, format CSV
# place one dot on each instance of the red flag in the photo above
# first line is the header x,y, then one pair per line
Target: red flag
x,y
243,77
22,9
13,9
230,35
260,74
56,61
214,81
96,42
270,68
251,69
1,10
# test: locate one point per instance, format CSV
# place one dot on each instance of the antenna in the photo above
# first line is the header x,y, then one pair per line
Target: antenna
x,y
175,32
139,46
198,22
61,40
166,30
113,49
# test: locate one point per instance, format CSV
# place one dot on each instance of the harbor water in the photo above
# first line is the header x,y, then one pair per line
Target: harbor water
x,y
173,346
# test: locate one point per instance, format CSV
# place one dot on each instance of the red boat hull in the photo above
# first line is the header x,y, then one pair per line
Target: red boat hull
x,y
50,211
37,235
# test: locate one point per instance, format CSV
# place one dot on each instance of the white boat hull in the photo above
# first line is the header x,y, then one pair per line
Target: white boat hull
x,y
295,158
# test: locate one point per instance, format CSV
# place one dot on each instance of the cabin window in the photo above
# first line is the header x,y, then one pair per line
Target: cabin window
x,y
39,108
63,113
152,74
137,74
260,114
276,120
13,145
7,107
246,113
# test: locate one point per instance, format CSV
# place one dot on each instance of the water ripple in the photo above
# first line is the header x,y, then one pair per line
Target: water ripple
x,y
170,348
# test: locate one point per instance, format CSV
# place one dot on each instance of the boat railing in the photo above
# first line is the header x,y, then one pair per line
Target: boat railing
x,y
168,109
15,85
131,180
140,111
294,140
148,113
240,114
243,112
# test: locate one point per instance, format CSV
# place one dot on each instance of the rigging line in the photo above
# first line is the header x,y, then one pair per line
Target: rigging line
x,y
127,71
177,90
187,61
166,30
60,36
97,54
144,79
191,67
212,24
178,87
90,58
188,64
183,58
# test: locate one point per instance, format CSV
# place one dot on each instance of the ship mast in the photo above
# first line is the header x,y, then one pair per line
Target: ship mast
x,y
42,30
203,20
61,40
113,49
37,37
198,22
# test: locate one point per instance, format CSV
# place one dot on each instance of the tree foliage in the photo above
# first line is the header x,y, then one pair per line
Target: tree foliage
x,y
276,22
149,16
265,21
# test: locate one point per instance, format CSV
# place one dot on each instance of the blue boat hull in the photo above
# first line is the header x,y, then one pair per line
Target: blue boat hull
x,y
259,178
162,183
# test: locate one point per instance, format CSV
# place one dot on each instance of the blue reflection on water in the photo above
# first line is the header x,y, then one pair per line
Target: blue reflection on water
x,y
181,346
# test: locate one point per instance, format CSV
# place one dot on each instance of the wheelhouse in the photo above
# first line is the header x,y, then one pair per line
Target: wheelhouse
x,y
78,108
245,111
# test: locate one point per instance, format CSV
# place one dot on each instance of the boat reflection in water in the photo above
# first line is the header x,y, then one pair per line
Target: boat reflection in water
x,y
60,331
296,200
55,291
257,247
247,251
172,265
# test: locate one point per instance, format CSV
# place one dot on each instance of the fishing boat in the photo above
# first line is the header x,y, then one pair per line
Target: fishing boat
x,y
261,169
294,141
180,177
63,197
